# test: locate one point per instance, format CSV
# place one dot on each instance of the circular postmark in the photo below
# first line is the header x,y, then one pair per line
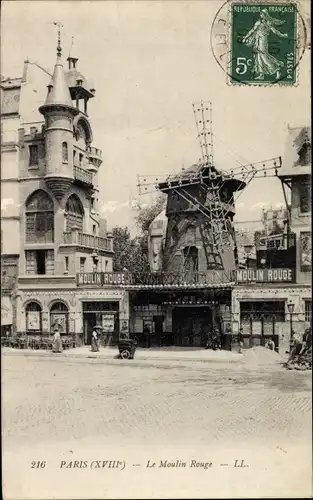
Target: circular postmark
x,y
259,42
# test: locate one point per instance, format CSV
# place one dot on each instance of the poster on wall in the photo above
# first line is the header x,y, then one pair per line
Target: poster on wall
x,y
59,319
108,322
33,320
305,251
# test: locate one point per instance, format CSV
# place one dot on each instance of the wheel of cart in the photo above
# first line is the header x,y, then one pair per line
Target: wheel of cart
x,y
127,348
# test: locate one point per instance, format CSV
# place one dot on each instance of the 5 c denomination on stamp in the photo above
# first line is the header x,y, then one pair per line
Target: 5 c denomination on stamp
x,y
259,43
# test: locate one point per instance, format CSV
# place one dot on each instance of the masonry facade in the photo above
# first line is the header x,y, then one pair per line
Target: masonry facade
x,y
51,227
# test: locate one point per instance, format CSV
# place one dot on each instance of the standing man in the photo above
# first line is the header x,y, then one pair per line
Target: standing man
x,y
240,340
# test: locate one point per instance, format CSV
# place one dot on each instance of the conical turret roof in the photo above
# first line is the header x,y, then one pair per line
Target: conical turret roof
x,y
58,91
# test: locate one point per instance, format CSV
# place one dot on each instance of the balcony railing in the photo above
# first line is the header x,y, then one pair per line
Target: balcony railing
x,y
97,153
88,241
186,278
83,176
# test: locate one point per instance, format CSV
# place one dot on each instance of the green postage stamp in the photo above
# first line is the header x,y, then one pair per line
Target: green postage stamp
x,y
263,43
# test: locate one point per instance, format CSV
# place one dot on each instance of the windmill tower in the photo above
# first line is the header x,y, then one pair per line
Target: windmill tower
x,y
200,237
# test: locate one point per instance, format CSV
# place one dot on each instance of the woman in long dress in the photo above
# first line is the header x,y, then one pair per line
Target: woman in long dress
x,y
257,38
57,342
95,339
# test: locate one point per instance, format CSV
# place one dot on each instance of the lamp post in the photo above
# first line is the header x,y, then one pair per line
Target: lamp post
x,y
291,308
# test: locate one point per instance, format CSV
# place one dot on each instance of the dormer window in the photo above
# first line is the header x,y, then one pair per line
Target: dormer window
x,y
64,152
79,82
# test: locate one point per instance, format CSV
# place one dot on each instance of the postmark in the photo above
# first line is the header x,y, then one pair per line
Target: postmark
x,y
259,42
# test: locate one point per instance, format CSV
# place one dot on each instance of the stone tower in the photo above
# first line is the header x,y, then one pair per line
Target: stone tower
x,y
59,113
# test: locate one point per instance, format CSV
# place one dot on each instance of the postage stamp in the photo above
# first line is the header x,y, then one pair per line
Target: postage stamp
x,y
263,43
259,42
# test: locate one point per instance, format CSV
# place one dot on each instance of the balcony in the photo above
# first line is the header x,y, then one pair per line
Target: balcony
x,y
95,159
82,176
88,241
94,153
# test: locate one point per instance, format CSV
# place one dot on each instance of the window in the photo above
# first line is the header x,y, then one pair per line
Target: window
x,y
74,158
190,259
59,316
92,204
268,310
39,216
74,214
304,195
106,263
81,157
33,155
66,264
41,261
94,229
33,317
64,152
308,310
82,262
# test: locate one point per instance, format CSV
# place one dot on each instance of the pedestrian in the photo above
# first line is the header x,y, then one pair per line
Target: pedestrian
x,y
57,342
227,337
95,338
307,341
147,334
296,347
240,340
270,344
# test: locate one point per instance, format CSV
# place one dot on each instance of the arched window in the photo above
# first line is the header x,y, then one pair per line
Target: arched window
x,y
33,317
64,152
59,316
39,218
74,214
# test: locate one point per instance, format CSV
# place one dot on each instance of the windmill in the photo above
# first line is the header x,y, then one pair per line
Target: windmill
x,y
205,199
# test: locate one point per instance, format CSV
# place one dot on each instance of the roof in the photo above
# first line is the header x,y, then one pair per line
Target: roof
x,y
194,173
73,75
296,138
58,91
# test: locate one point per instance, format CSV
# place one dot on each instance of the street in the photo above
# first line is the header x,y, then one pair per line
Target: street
x,y
79,410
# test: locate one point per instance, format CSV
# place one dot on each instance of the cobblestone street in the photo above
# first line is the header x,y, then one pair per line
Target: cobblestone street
x,y
77,409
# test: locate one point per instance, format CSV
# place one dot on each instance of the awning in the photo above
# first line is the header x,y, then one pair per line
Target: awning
x,y
6,311
195,286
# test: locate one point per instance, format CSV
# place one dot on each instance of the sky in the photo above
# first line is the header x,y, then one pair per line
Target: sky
x,y
149,61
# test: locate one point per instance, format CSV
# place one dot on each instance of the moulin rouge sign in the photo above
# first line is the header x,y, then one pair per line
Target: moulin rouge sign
x,y
265,276
103,279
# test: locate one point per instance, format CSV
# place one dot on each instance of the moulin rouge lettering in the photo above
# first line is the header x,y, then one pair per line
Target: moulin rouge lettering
x,y
264,275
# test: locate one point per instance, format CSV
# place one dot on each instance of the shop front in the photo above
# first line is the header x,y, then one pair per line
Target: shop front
x,y
76,305
179,316
268,304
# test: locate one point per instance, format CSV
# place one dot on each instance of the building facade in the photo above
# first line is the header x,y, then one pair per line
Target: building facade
x,y
51,228
276,297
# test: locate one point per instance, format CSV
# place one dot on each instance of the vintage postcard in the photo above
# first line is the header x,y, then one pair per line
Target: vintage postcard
x,y
156,251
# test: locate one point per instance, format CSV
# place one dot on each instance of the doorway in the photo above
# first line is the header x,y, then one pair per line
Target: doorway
x,y
191,325
90,320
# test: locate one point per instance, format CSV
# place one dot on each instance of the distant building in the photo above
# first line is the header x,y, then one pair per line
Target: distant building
x,y
52,238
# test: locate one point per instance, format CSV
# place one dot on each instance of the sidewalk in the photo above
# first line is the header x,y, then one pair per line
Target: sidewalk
x,y
164,354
